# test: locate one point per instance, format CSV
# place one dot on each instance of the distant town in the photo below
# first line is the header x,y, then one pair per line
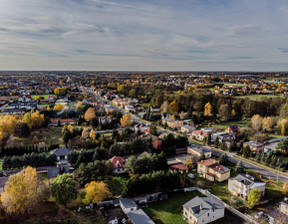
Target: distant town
x,y
144,147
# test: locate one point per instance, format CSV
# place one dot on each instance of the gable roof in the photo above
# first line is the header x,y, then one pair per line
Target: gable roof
x,y
117,161
63,151
233,128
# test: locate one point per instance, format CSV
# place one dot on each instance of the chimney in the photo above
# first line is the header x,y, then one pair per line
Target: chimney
x,y
201,206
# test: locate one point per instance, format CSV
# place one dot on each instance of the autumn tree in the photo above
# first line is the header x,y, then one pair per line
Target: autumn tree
x,y
224,112
35,140
92,134
254,197
22,192
8,123
267,124
207,109
174,107
59,107
256,122
22,129
283,125
79,104
90,114
37,119
85,133
64,189
96,192
126,120
285,189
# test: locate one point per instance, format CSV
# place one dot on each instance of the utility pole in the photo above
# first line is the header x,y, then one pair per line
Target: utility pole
x,y
278,174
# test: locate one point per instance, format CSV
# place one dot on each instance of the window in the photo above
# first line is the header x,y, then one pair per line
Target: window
x,y
208,214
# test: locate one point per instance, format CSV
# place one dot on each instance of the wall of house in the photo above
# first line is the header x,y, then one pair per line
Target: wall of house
x,y
223,177
284,208
205,218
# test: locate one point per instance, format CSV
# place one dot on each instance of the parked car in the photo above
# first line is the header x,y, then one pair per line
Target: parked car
x,y
191,175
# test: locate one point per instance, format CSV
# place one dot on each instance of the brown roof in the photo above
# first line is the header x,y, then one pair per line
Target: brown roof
x,y
118,162
208,162
178,166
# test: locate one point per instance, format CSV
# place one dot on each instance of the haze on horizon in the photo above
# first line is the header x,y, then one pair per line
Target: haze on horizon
x,y
198,35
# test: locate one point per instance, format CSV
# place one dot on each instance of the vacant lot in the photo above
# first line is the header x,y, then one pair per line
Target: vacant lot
x,y
51,135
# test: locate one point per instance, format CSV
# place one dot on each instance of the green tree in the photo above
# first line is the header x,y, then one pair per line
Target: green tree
x,y
254,197
239,167
223,160
64,189
153,130
202,156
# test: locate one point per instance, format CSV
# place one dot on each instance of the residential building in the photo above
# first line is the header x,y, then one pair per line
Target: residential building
x,y
202,210
178,167
24,98
255,146
223,136
283,207
201,134
154,109
232,129
197,150
62,122
127,205
187,128
62,154
242,184
118,164
129,108
212,170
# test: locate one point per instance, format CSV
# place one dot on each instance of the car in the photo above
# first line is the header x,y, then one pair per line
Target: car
x,y
191,175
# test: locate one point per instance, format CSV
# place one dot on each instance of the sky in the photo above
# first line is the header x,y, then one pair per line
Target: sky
x,y
144,35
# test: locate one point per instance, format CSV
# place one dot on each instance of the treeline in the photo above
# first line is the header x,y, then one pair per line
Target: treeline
x,y
146,164
87,156
159,181
19,151
34,160
170,144
98,170
129,148
271,160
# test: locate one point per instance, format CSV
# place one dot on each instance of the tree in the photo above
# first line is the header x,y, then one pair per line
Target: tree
x,y
92,134
283,145
207,109
64,189
96,192
202,156
164,107
58,107
153,129
35,140
254,197
22,130
174,107
216,142
224,112
285,189
256,122
79,104
126,120
283,127
23,191
239,167
267,124
284,111
223,160
66,136
90,114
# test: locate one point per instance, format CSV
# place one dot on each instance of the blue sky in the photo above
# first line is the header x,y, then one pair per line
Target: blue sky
x,y
196,35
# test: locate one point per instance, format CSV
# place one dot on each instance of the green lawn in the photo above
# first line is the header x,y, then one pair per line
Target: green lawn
x,y
170,211
223,125
45,96
234,84
258,96
51,135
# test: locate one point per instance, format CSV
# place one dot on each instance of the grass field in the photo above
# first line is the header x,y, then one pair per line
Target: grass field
x,y
234,84
258,97
169,211
51,135
45,96
244,123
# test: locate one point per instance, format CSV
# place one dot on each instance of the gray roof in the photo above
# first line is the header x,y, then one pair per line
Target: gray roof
x,y
247,179
198,148
63,151
139,217
201,205
128,203
255,144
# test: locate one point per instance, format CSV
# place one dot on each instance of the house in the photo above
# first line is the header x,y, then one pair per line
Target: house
x,y
63,102
232,129
242,184
129,108
171,123
212,170
255,146
118,164
127,205
24,105
24,98
197,150
201,134
284,207
223,136
178,167
187,128
135,216
62,122
157,143
154,109
62,154
202,210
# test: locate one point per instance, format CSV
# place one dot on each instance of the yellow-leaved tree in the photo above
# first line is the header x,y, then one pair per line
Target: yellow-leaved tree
x,y
90,114
58,107
92,134
174,107
207,109
267,123
96,192
23,191
37,119
126,120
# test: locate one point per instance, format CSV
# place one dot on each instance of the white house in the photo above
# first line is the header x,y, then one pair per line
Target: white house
x,y
203,210
187,128
62,154
127,205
